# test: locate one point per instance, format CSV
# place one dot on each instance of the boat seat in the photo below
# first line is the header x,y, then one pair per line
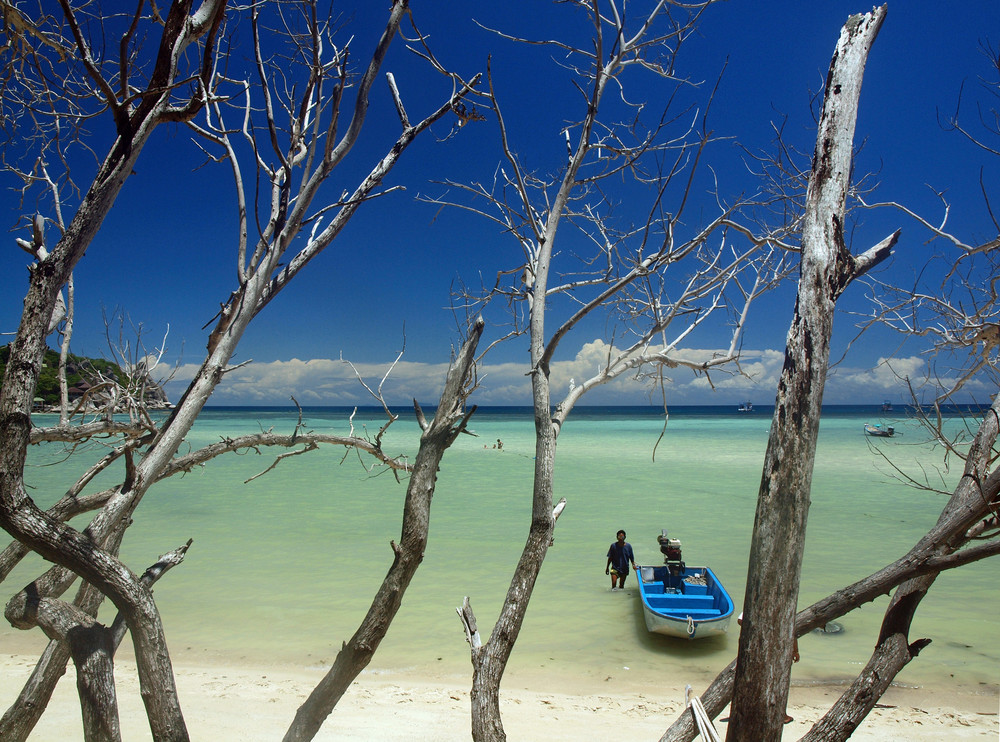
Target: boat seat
x,y
681,602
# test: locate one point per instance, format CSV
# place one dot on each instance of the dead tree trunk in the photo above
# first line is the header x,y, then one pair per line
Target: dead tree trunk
x,y
95,683
76,634
971,508
490,660
90,646
19,515
86,553
892,653
827,267
449,422
64,353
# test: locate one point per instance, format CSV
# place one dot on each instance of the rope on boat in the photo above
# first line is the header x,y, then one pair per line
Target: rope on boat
x,y
691,626
701,718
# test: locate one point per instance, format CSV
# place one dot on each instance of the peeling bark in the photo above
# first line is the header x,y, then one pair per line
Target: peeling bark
x,y
765,655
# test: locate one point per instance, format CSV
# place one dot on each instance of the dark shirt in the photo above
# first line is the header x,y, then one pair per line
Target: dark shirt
x,y
621,556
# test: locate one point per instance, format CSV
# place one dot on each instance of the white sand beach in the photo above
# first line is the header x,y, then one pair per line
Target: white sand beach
x,y
231,703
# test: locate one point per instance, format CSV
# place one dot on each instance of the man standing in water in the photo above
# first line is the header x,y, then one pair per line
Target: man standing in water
x,y
619,558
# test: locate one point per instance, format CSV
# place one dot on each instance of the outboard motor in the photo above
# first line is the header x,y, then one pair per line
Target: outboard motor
x,y
671,550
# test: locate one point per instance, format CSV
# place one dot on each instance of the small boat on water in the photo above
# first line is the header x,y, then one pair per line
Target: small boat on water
x,y
682,601
887,406
745,407
879,430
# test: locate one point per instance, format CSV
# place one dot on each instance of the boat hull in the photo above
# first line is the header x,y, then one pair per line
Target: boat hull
x,y
878,431
674,605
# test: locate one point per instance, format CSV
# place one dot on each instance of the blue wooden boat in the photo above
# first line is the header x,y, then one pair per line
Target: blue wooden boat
x,y
690,604
683,601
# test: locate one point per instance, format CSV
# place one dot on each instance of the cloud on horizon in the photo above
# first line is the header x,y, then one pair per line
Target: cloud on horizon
x,y
334,382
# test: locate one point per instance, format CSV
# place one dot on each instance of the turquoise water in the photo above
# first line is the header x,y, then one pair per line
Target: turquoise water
x,y
283,568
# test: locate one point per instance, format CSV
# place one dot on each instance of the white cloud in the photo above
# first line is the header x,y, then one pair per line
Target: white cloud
x,y
332,382
892,378
320,381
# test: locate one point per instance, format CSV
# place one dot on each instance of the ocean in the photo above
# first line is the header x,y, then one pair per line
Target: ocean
x,y
283,568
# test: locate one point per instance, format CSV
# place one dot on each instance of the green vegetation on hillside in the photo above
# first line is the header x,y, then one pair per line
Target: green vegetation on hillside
x,y
78,370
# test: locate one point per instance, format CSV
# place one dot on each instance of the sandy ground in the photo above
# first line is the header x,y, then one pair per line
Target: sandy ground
x,y
227,703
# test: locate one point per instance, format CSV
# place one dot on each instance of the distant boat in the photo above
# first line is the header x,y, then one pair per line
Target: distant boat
x,y
887,406
745,407
880,431
681,601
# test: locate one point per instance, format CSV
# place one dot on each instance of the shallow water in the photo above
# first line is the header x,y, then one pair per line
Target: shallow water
x,y
283,568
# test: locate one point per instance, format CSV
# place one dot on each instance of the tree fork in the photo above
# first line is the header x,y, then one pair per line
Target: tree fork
x,y
21,718
892,653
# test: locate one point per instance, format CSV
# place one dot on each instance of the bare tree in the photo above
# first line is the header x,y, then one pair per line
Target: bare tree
x,y
827,267
966,531
964,329
302,146
135,119
626,272
650,273
449,422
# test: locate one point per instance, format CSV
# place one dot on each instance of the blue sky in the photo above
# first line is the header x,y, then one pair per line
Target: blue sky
x,y
165,256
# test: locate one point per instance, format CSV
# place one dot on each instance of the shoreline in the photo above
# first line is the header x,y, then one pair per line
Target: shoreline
x,y
232,702
568,675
